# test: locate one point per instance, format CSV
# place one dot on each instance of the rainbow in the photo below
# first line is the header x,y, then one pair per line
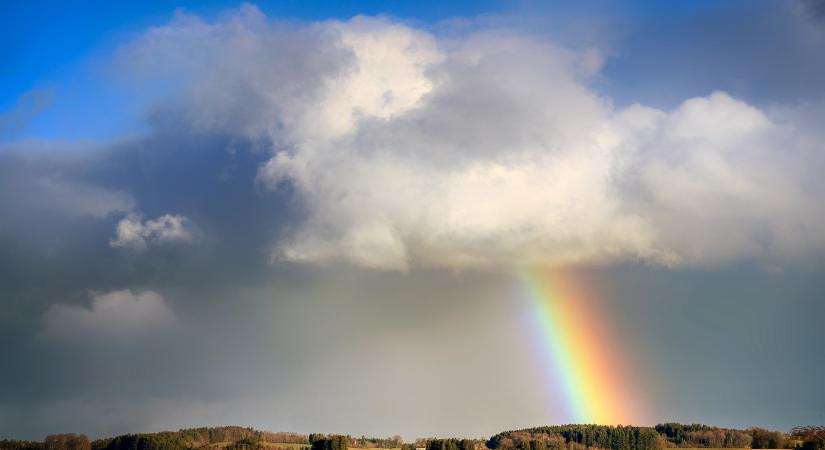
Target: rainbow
x,y
573,341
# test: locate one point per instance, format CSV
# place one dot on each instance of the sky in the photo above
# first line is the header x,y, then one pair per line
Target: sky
x,y
415,218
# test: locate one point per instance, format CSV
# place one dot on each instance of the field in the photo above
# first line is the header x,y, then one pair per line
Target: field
x,y
219,445
285,445
276,445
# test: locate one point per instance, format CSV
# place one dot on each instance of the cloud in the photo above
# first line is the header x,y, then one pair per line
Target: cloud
x,y
111,315
815,7
487,150
132,233
45,184
78,198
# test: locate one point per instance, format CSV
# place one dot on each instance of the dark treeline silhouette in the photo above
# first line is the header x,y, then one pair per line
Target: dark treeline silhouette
x,y
559,437
333,442
247,443
451,444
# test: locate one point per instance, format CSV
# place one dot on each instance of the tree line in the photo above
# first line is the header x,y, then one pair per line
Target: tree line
x,y
361,442
667,435
810,438
559,437
241,438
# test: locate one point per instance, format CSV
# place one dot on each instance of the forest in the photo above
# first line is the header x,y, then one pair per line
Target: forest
x,y
556,437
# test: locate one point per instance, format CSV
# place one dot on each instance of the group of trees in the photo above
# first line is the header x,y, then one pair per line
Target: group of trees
x,y
697,435
762,438
667,435
247,443
451,444
333,442
811,438
284,437
67,441
166,440
360,442
240,438
197,437
561,437
376,442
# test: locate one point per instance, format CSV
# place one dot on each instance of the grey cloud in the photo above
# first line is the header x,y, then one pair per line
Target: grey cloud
x,y
43,184
111,315
77,198
815,7
243,75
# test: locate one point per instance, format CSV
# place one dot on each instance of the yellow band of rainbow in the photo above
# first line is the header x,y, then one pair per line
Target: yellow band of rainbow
x,y
572,335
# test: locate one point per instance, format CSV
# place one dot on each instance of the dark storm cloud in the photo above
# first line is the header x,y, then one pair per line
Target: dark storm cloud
x,y
60,212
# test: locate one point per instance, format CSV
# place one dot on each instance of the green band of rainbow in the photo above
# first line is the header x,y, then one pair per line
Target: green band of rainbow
x,y
572,336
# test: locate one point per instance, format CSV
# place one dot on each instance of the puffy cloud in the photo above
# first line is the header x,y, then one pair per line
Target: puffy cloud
x,y
490,150
133,233
116,314
512,160
720,182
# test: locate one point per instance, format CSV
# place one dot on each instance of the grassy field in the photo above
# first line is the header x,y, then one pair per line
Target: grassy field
x,y
285,445
219,445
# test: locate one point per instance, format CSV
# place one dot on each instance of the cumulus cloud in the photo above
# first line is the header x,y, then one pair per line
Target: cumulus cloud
x,y
133,233
116,314
489,149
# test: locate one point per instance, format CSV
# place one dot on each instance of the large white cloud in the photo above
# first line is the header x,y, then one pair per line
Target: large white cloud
x,y
489,149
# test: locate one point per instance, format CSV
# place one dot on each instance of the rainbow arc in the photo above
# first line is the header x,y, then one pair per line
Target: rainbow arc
x,y
583,357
